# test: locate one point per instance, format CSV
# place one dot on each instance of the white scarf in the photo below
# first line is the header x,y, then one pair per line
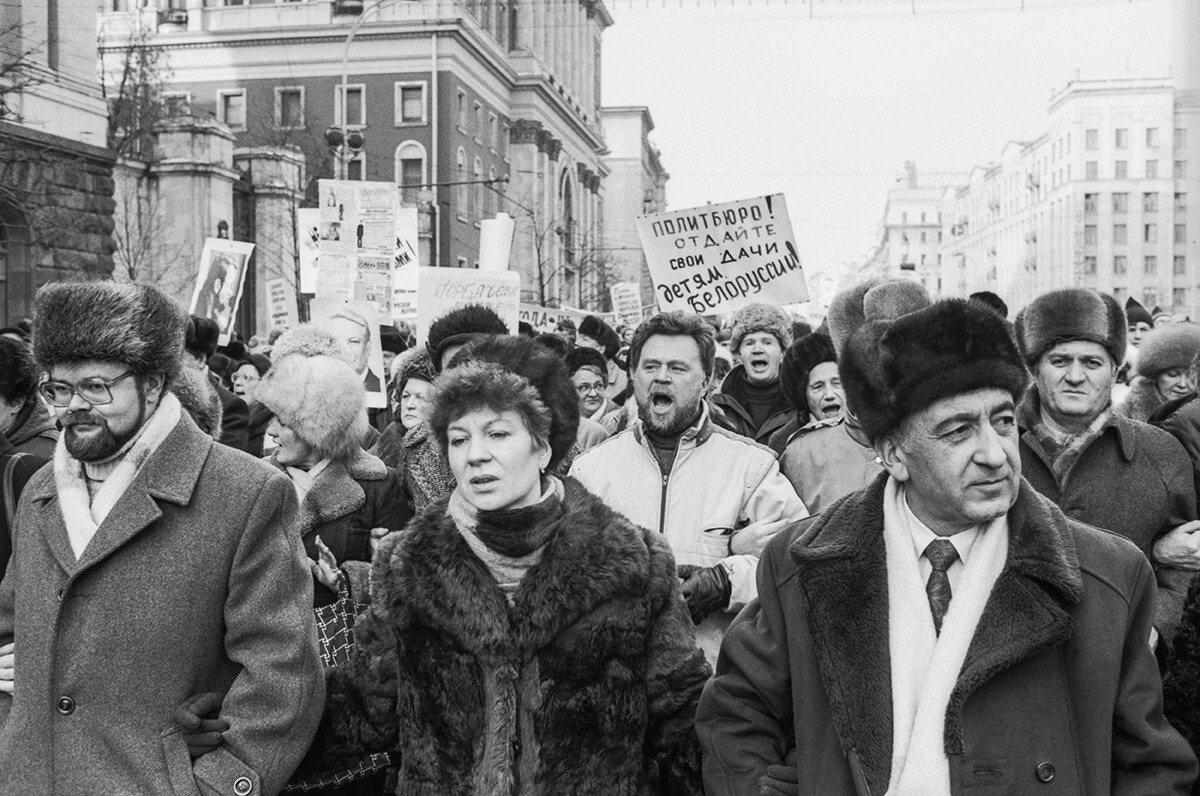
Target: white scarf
x,y
925,666
302,480
82,515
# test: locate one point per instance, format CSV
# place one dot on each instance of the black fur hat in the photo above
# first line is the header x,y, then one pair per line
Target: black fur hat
x,y
581,356
602,333
202,336
1074,313
798,361
461,326
893,369
545,371
137,325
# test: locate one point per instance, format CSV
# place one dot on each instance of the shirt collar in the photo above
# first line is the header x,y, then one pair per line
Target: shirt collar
x,y
963,541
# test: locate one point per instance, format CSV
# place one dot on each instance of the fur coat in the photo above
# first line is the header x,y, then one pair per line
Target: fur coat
x,y
1142,400
595,662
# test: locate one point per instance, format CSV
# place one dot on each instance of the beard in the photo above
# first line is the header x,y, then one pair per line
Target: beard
x,y
675,424
100,442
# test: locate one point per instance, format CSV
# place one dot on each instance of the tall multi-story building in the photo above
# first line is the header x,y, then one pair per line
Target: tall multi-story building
x,y
472,106
636,185
55,169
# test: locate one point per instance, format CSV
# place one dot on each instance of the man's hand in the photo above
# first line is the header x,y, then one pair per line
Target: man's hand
x,y
7,669
706,589
1179,548
202,729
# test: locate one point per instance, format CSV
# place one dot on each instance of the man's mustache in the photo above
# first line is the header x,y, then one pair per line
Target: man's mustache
x,y
75,418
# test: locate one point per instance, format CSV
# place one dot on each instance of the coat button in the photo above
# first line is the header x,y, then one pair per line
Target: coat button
x,y
1045,772
242,786
66,706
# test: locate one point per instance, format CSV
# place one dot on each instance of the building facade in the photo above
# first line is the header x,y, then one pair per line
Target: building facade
x,y
56,182
471,106
636,185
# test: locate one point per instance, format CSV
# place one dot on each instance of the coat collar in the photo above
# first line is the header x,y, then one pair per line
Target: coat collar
x,y
841,559
431,573
170,475
1029,413
336,493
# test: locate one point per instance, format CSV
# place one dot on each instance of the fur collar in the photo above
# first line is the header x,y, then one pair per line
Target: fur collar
x,y
1142,400
336,493
429,575
841,560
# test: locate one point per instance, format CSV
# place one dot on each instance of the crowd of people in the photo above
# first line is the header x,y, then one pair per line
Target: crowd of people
x,y
919,550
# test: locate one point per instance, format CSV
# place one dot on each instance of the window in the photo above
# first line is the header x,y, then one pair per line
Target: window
x,y
1091,170
462,193
1121,139
1181,169
1181,201
1151,137
493,198
1150,233
177,103
1121,169
356,167
904,218
1089,203
289,107
1089,234
1089,265
503,147
231,108
1181,233
1120,264
462,112
410,104
1120,233
1119,293
1150,264
1180,138
1150,297
923,237
1150,202
1152,169
1091,139
1178,296
478,186
410,170
477,129
493,131
1179,265
1120,203
355,104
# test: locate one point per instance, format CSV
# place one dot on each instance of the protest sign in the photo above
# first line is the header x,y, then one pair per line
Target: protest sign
x,y
219,283
495,242
627,303
545,319
308,243
356,325
440,290
281,304
717,259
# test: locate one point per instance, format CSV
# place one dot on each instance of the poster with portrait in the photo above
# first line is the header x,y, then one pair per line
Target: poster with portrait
x,y
219,282
356,324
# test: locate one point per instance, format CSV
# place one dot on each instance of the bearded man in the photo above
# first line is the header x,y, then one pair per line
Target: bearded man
x,y
716,496
149,565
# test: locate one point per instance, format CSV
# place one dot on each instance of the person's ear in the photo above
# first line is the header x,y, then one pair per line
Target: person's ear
x,y
153,383
892,456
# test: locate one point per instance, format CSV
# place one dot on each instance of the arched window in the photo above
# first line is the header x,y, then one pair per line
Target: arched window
x,y
478,190
410,170
462,196
567,205
16,271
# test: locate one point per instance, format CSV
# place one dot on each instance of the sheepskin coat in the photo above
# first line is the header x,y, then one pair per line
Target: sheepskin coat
x,y
1059,692
594,667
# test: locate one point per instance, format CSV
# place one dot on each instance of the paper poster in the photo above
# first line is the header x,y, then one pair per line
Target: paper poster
x,y
719,258
440,290
308,240
356,324
373,282
219,282
627,303
281,305
495,242
404,293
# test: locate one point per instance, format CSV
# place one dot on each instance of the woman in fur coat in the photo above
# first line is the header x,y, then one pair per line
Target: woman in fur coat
x,y
1162,370
522,637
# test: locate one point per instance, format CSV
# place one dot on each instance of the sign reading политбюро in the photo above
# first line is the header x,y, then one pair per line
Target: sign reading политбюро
x,y
716,259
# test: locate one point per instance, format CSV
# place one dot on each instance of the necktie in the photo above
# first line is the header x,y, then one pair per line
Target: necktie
x,y
941,554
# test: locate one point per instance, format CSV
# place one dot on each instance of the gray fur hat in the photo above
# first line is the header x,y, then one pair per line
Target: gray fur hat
x,y
134,324
1172,345
760,318
873,300
1074,313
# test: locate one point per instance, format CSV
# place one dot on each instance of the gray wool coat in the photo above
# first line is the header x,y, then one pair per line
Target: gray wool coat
x,y
196,581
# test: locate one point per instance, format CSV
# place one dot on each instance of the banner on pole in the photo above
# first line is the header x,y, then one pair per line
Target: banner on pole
x,y
223,265
545,319
716,259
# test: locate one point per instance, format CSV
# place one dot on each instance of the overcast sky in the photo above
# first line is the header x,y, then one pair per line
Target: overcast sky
x,y
762,98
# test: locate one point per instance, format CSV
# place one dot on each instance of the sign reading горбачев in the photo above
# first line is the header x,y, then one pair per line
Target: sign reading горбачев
x,y
719,258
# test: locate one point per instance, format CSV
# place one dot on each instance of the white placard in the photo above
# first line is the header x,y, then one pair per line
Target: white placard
x,y
440,290
281,304
627,303
219,283
495,242
308,242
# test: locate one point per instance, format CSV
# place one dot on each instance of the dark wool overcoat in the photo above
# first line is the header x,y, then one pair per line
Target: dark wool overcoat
x,y
196,581
1059,692
589,679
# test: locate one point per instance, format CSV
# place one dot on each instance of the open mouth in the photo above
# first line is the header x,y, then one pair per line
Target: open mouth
x,y
661,401
759,363
831,409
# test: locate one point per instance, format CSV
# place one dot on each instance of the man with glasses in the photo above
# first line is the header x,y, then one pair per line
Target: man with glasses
x,y
149,565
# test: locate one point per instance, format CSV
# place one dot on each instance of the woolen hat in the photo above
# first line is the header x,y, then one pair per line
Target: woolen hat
x,y
754,318
460,326
875,299
798,361
1073,313
413,364
893,369
1136,313
134,324
1172,345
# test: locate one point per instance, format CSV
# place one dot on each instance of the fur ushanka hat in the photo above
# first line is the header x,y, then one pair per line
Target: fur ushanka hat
x,y
893,369
602,333
1172,345
134,324
798,361
480,377
874,300
1074,313
460,326
315,392
754,318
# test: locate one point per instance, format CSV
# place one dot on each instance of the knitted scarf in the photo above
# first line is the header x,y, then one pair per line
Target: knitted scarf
x,y
84,515
925,666
1065,450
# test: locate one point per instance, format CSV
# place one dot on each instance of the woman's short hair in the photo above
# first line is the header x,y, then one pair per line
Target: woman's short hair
x,y
18,371
676,324
486,385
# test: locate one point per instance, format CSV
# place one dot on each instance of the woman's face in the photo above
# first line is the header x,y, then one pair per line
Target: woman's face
x,y
290,450
414,402
590,385
494,458
1173,383
245,381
